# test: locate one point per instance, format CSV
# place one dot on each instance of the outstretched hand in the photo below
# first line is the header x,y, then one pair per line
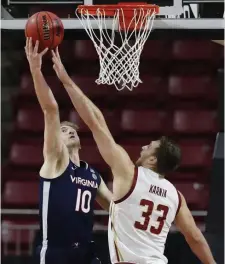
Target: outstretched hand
x,y
59,68
34,58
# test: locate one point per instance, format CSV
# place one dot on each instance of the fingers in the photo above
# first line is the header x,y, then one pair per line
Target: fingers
x,y
55,61
53,54
36,48
57,64
33,51
57,53
44,52
54,58
27,43
27,47
30,46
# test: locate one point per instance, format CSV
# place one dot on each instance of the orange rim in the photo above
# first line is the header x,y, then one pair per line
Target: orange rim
x,y
110,10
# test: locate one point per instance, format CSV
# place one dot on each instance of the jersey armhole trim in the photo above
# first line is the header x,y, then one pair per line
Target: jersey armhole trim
x,y
56,178
131,188
117,253
179,202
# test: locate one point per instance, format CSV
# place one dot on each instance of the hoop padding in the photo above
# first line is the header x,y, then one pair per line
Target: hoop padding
x,y
119,63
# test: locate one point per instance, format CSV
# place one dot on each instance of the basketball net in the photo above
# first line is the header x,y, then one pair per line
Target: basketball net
x,y
119,63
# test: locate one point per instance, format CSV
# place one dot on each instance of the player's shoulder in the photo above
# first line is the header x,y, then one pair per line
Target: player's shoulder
x,y
154,176
170,184
174,192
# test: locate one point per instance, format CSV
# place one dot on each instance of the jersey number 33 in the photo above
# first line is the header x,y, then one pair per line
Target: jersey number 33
x,y
147,213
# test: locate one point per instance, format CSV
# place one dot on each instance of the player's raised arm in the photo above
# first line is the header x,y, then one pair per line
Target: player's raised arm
x,y
194,237
52,141
113,154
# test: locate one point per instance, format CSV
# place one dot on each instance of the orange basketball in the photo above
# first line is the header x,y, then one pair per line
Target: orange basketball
x,y
45,27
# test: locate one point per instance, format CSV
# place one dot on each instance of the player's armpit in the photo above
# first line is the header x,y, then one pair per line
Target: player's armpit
x,y
186,224
53,144
113,154
104,196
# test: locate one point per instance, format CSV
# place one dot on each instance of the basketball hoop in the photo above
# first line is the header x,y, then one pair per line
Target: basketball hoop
x,y
119,64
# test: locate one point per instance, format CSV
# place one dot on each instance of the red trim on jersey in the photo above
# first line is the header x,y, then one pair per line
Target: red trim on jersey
x,y
131,188
179,203
117,254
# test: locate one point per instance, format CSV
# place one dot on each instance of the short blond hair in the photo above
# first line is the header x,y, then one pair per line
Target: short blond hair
x,y
70,124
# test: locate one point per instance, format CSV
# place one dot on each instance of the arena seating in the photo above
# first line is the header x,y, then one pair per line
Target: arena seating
x,y
201,87
170,101
196,194
27,86
25,118
84,50
196,50
195,122
26,154
195,154
112,119
156,50
144,121
18,236
21,193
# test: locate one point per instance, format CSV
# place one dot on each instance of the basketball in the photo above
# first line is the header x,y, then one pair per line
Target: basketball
x,y
45,27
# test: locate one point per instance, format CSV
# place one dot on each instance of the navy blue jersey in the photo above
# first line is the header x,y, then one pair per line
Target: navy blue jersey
x,y
66,206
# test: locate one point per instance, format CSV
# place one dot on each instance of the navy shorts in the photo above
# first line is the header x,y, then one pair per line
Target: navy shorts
x,y
55,255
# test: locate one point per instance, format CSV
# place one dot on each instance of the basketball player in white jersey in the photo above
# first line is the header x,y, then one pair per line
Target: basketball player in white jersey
x,y
144,204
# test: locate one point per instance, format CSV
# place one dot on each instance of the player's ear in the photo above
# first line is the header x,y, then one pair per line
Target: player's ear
x,y
152,160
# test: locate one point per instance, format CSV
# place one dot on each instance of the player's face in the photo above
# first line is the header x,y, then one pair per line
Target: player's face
x,y
70,137
147,155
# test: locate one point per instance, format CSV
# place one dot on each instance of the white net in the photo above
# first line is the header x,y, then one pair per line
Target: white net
x,y
119,63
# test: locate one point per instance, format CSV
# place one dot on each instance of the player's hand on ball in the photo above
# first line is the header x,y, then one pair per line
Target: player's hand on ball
x,y
34,58
59,68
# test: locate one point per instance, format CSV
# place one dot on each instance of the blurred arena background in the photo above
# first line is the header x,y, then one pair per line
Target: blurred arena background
x,y
181,96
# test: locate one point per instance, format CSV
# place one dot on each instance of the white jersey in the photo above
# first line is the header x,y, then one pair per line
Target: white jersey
x,y
139,223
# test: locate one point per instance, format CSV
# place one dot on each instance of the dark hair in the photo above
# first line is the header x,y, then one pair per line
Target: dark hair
x,y
168,156
70,124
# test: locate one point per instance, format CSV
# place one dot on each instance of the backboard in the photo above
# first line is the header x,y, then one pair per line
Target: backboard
x,y
177,18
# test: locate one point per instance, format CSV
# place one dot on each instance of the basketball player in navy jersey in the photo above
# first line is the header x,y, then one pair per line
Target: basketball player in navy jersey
x,y
68,186
144,203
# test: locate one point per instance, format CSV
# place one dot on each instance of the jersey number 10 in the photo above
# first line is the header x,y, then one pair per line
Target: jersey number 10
x,y
146,215
83,201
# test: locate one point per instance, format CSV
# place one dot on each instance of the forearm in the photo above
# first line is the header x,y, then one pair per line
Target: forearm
x,y
104,197
105,204
201,249
44,94
90,114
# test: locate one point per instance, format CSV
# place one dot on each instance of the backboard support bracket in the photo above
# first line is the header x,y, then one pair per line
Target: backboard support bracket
x,y
175,10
